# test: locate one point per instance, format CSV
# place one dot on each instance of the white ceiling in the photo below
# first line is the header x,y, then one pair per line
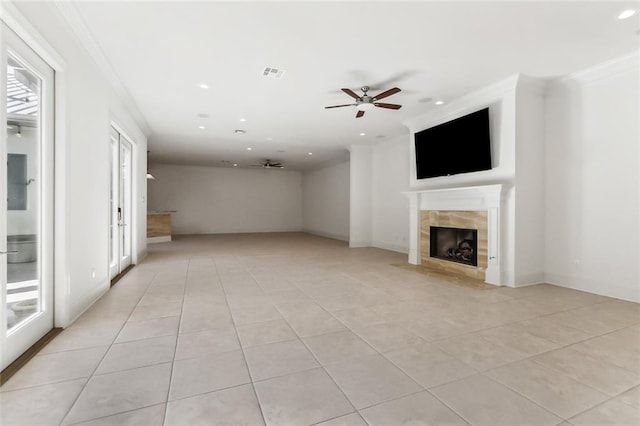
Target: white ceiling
x,y
162,51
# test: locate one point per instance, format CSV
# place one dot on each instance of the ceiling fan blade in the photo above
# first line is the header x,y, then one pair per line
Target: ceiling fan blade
x,y
388,106
339,106
351,93
386,93
275,164
359,114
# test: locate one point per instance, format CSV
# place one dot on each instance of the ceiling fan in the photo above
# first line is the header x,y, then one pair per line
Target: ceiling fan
x,y
268,164
365,102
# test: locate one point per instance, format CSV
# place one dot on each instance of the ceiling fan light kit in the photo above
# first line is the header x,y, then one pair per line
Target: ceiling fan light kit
x,y
366,103
365,107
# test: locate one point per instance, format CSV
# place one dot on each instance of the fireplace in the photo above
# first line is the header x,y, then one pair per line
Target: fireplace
x,y
454,244
472,208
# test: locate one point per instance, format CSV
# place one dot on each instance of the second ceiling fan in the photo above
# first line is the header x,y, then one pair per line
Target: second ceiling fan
x,y
365,102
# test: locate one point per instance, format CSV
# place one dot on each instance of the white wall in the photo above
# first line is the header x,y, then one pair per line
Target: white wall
x,y
211,200
325,201
528,222
592,238
390,208
360,201
86,104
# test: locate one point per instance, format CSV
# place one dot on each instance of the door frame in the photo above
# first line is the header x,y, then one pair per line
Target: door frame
x,y
132,205
12,17
27,333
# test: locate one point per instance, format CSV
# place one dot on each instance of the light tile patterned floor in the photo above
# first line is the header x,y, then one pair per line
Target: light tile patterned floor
x,y
292,329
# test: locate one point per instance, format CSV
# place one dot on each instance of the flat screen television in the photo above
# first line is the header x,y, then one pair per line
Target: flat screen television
x,y
458,146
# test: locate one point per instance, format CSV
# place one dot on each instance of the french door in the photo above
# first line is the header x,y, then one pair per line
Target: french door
x,y
26,194
120,203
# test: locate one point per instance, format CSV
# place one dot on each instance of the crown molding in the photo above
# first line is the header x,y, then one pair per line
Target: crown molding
x,y
533,84
11,16
465,104
603,70
74,19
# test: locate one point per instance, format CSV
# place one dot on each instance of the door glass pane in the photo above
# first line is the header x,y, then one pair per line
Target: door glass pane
x,y
23,193
113,200
125,192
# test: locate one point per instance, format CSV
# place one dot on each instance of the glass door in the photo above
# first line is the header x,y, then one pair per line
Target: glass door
x,y
120,204
125,204
26,191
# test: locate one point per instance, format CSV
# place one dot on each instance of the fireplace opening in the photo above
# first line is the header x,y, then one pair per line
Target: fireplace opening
x,y
454,244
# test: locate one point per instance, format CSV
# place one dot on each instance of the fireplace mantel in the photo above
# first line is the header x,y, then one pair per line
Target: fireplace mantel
x,y
471,198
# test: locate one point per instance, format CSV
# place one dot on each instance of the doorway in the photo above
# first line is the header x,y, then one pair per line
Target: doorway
x,y
120,203
26,213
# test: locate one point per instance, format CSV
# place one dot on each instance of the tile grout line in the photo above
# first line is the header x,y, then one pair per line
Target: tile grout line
x,y
175,348
321,365
75,401
530,358
235,330
526,397
114,414
256,261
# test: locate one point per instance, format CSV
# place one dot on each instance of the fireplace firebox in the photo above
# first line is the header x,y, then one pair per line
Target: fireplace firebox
x,y
454,244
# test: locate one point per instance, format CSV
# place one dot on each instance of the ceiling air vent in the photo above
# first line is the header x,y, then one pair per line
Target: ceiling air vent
x,y
270,72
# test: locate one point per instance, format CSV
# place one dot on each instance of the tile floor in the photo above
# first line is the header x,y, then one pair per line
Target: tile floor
x,y
292,329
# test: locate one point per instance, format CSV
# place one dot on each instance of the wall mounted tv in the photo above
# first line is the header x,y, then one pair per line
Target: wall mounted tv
x,y
459,146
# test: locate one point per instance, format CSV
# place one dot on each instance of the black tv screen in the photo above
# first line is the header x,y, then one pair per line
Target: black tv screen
x,y
459,146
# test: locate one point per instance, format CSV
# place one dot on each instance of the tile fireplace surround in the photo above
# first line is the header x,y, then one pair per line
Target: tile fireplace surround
x,y
474,207
454,219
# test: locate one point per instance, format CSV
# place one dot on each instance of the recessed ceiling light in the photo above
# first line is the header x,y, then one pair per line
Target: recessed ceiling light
x,y
243,119
204,86
249,149
627,14
310,153
269,139
240,131
200,127
235,164
439,102
363,134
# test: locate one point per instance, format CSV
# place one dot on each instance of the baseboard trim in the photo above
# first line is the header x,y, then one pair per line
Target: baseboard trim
x,y
594,287
359,244
391,247
525,280
238,231
326,235
120,275
90,301
20,362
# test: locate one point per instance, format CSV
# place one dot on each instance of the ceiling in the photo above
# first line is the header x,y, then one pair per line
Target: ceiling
x,y
163,51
